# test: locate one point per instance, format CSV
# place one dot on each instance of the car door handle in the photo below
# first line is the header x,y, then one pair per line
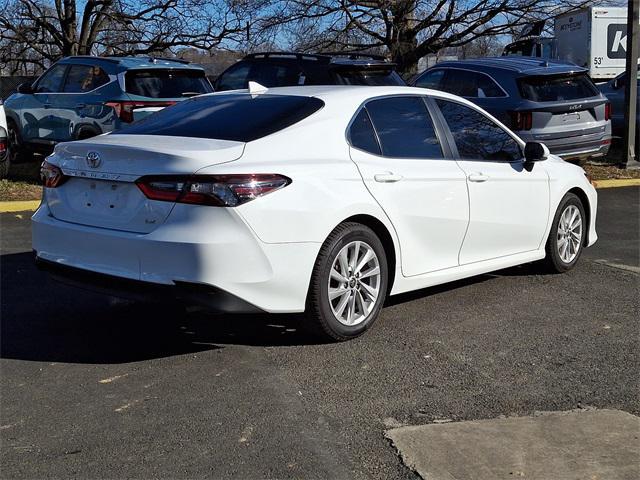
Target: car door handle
x,y
387,177
81,105
47,105
478,177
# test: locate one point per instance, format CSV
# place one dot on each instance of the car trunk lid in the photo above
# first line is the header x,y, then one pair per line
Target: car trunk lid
x,y
101,191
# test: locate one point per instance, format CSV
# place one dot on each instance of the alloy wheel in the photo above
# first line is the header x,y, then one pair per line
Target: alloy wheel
x,y
354,283
569,238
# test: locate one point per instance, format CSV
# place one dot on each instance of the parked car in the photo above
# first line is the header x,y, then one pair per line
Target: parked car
x,y
80,97
281,69
4,165
321,200
614,90
542,101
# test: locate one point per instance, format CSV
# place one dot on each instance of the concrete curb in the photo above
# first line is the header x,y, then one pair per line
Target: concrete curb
x,y
19,206
618,182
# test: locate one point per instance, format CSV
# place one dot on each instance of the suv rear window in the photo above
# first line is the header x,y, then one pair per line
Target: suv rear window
x,y
169,83
557,88
382,77
236,117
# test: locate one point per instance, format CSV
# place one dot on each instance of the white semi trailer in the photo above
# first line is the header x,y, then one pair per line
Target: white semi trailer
x,y
593,37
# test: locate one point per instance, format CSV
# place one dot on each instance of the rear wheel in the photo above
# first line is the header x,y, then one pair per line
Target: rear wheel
x,y
567,236
349,283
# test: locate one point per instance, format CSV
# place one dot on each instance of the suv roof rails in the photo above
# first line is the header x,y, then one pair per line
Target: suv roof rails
x,y
94,57
354,55
298,55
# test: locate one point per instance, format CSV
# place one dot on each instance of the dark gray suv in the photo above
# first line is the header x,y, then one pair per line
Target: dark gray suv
x,y
544,101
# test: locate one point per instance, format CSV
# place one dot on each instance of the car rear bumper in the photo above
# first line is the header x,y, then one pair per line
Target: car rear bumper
x,y
198,247
591,143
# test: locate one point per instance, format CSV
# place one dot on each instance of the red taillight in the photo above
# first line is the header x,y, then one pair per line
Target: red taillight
x,y
607,111
214,190
3,145
521,121
124,110
51,175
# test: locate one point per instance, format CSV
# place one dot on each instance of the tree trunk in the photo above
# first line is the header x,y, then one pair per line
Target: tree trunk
x,y
69,27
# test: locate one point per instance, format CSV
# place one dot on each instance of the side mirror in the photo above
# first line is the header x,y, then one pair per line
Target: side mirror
x,y
25,88
535,152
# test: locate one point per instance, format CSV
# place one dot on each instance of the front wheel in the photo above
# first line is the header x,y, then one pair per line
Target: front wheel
x,y
567,236
349,283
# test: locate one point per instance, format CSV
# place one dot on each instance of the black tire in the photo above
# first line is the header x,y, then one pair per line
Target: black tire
x,y
554,261
320,318
17,150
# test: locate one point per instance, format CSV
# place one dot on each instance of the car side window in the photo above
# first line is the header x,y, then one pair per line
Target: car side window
x,y
404,127
477,136
84,78
466,83
235,78
52,80
362,135
432,79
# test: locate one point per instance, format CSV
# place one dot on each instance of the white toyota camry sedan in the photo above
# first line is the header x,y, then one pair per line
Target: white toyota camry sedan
x,y
322,200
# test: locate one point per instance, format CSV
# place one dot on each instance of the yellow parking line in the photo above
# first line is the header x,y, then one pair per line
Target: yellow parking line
x,y
618,182
19,206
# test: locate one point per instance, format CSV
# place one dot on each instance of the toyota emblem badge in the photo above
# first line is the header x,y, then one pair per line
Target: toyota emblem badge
x,y
93,159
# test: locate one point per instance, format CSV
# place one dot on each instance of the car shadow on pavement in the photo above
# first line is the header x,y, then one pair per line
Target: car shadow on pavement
x,y
43,320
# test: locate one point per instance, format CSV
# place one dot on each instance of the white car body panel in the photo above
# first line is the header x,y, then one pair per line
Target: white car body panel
x,y
3,117
264,251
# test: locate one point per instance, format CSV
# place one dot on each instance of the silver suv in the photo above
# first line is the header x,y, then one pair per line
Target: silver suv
x,y
544,101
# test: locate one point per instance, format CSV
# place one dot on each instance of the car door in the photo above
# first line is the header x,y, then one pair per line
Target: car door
x,y
35,114
509,204
410,173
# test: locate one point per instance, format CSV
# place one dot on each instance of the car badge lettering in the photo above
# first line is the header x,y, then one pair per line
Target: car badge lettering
x,y
93,159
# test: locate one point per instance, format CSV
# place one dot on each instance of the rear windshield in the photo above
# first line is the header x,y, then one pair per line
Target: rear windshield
x,y
557,88
381,77
169,83
236,117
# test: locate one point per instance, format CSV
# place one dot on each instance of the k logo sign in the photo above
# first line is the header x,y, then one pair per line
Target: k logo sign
x,y
617,40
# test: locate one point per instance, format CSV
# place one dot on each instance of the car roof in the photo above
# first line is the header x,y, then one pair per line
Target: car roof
x,y
516,65
148,62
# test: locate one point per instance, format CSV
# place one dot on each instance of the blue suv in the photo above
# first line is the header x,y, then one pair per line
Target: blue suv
x,y
80,97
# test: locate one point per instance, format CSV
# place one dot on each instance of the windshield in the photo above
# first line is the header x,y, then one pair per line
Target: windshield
x,y
557,88
382,77
236,117
169,83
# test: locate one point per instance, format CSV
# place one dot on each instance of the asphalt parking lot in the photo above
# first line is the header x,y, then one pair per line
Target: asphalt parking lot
x,y
97,387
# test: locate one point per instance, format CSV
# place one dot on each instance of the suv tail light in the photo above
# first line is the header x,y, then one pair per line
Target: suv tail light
x,y
607,111
521,120
51,175
124,110
3,145
214,190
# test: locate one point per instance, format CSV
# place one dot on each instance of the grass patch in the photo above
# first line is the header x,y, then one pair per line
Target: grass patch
x,y
11,190
609,172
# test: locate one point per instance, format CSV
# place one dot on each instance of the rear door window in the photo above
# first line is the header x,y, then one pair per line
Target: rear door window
x,y
238,117
84,78
404,127
466,83
557,88
477,136
166,83
234,78
276,75
362,135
